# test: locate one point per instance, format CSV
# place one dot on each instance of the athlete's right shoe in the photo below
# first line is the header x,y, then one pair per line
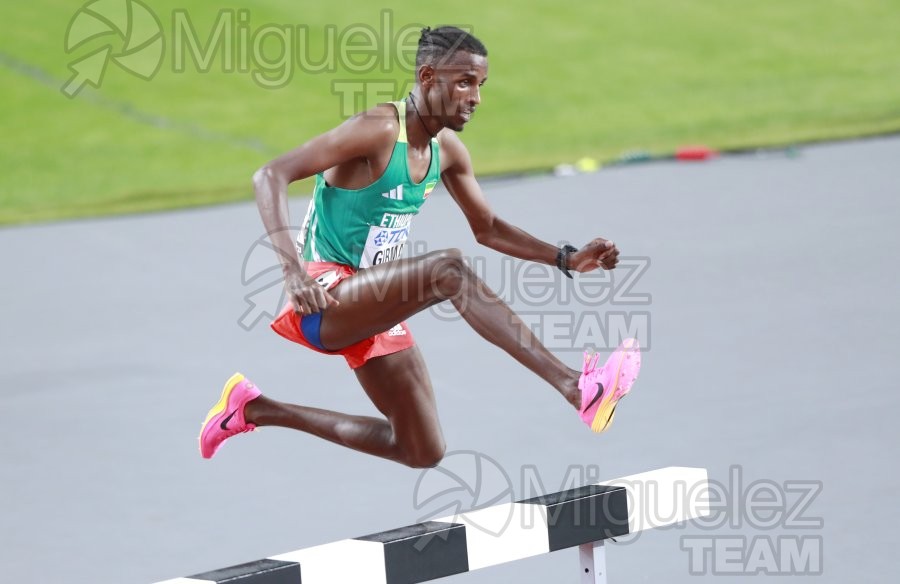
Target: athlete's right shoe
x,y
226,418
603,387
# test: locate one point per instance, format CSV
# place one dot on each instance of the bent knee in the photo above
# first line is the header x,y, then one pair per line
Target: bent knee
x,y
429,458
451,255
448,271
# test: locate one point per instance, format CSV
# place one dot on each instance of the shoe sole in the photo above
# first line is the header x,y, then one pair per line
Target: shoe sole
x,y
223,400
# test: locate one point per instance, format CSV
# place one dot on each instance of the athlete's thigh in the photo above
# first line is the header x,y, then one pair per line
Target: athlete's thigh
x,y
377,298
400,387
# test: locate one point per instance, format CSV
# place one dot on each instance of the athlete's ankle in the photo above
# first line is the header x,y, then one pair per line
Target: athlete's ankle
x,y
566,380
573,396
254,411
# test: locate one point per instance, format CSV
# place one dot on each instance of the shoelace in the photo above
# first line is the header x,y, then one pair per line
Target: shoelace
x,y
591,366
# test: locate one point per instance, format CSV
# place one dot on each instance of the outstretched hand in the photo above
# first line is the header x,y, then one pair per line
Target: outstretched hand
x,y
599,253
305,294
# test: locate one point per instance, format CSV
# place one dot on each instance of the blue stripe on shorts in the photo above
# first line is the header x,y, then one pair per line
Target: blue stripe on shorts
x,y
309,326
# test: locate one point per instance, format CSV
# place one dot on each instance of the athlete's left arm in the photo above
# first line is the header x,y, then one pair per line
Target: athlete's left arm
x,y
492,231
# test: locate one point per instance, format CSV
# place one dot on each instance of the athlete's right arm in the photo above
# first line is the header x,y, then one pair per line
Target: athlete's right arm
x,y
358,137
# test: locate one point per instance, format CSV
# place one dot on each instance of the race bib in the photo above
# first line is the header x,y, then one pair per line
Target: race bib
x,y
384,244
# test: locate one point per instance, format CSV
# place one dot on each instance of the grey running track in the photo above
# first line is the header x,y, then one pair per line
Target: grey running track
x,y
765,286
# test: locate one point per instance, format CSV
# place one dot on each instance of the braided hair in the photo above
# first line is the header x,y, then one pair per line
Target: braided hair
x,y
439,44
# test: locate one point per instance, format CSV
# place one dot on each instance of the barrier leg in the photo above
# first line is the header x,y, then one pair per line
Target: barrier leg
x,y
593,562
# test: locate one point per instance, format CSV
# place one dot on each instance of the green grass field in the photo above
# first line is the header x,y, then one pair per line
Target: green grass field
x,y
566,80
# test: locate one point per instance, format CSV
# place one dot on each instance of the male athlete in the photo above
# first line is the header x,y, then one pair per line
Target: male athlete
x,y
349,293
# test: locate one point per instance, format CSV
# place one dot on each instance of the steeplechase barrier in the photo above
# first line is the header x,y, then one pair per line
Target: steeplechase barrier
x,y
583,517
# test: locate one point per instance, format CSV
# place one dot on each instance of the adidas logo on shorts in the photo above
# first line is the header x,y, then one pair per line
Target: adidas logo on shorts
x,y
396,331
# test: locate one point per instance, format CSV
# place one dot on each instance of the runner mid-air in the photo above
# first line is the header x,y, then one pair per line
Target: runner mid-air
x,y
350,293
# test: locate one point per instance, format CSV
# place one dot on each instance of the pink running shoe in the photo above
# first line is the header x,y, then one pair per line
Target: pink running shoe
x,y
602,388
226,418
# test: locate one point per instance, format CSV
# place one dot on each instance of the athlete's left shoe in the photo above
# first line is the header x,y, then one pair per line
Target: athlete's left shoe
x,y
226,418
603,387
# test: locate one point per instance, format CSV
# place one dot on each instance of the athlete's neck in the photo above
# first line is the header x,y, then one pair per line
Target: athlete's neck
x,y
423,127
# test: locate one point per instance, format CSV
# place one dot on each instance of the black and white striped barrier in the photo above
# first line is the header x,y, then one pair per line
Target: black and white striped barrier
x,y
583,517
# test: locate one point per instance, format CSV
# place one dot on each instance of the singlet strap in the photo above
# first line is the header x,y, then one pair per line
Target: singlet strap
x,y
401,113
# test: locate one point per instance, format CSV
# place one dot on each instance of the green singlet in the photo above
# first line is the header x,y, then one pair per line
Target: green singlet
x,y
368,226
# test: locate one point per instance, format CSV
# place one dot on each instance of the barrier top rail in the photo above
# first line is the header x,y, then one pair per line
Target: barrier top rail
x,y
585,517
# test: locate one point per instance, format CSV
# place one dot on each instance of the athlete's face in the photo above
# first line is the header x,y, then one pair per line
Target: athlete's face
x,y
454,88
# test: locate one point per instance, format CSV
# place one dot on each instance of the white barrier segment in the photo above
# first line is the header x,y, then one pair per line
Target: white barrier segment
x,y
664,497
503,533
186,581
340,562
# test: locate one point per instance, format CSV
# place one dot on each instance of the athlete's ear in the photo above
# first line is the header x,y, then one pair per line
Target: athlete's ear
x,y
425,76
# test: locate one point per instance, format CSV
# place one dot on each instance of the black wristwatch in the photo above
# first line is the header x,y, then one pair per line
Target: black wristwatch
x,y
562,259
